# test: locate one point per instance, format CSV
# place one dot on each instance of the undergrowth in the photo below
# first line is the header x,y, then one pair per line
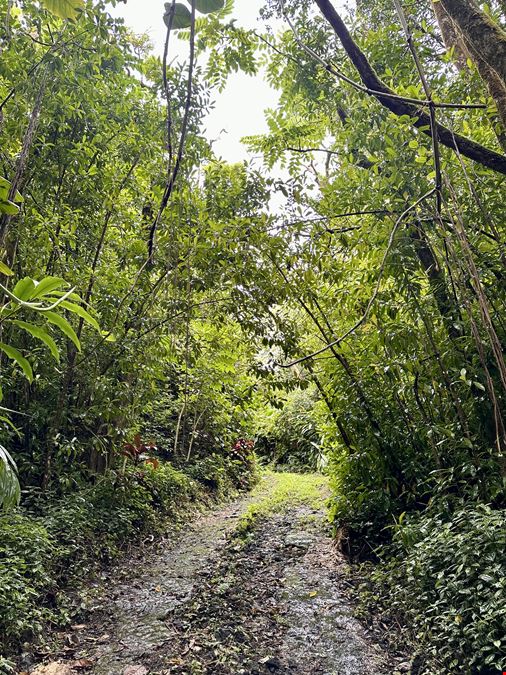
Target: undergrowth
x,y
443,579
50,545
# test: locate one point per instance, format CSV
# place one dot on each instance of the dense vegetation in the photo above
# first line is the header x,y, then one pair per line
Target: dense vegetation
x,y
149,292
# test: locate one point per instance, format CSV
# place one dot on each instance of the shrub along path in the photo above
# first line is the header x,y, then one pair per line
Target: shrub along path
x,y
254,587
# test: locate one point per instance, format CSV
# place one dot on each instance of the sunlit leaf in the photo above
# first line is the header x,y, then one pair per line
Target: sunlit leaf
x,y
48,285
80,311
40,334
8,207
5,270
64,326
9,484
65,9
24,289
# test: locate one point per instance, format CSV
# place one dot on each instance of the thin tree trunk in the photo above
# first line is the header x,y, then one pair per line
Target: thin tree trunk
x,y
5,220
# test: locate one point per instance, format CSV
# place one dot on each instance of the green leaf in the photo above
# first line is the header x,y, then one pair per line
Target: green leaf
x,y
24,289
9,485
64,326
60,294
18,357
208,6
5,270
65,9
5,188
182,16
108,337
80,311
47,285
8,207
40,334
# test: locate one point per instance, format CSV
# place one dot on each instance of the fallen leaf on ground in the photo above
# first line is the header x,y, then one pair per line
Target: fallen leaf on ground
x,y
135,670
82,664
54,668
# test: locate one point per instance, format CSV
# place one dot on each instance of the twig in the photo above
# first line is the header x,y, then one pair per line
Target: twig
x,y
376,290
182,141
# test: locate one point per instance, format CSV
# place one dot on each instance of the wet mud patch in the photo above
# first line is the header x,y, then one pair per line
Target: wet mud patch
x,y
323,635
273,604
124,621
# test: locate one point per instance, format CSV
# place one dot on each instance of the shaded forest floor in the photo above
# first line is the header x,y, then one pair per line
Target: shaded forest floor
x,y
253,587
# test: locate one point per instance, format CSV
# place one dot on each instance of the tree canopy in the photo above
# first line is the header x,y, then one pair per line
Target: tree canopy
x,y
150,288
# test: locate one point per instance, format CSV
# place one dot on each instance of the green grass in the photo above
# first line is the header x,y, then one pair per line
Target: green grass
x,y
278,491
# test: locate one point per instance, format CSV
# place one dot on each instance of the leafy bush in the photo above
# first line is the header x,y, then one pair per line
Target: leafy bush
x,y
26,574
447,582
221,474
290,436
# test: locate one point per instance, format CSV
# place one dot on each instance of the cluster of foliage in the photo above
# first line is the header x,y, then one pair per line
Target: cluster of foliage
x,y
443,577
117,341
84,142
288,435
375,295
388,269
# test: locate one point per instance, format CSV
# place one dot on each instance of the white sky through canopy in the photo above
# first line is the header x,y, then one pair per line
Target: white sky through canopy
x,y
239,109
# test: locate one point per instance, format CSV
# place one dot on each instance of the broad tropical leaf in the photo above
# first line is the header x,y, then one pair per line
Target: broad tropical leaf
x,y
24,289
40,334
60,294
64,326
48,285
18,357
8,207
5,188
182,16
80,311
65,9
9,484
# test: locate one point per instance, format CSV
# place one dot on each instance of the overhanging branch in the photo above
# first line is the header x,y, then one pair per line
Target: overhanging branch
x,y
467,147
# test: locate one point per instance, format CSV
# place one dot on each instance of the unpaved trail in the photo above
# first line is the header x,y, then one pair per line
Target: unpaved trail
x,y
272,600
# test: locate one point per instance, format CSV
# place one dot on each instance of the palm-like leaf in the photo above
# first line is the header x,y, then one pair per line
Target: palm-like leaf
x,y
9,484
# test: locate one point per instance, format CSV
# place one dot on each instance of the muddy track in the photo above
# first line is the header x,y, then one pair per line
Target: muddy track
x,y
270,601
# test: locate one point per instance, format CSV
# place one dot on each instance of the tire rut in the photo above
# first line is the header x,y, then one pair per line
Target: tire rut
x,y
272,601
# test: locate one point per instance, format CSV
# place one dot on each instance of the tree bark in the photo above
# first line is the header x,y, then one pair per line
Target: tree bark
x,y
482,36
455,41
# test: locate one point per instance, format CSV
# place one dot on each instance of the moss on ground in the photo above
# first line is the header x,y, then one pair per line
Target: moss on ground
x,y
277,491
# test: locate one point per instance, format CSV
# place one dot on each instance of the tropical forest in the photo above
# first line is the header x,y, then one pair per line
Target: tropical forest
x,y
252,411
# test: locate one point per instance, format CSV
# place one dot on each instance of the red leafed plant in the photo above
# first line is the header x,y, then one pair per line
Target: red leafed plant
x,y
137,449
242,448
